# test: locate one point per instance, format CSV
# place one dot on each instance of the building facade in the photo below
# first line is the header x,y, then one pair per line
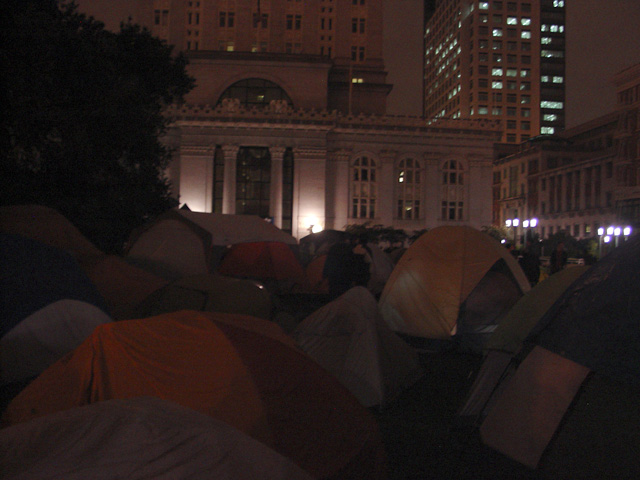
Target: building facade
x,y
288,121
584,181
497,59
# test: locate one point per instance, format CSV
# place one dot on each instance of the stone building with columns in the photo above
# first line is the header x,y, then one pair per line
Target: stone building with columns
x,y
304,168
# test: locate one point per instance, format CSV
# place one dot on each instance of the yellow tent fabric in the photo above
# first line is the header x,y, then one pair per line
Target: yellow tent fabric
x,y
426,289
524,315
209,293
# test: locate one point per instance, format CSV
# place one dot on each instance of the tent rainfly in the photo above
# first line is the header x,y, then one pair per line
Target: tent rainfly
x,y
454,282
241,370
571,407
349,338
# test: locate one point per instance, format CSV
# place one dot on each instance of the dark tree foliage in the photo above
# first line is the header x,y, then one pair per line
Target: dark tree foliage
x,y
81,117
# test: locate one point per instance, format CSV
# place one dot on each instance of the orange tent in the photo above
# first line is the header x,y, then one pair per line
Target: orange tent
x,y
229,367
313,281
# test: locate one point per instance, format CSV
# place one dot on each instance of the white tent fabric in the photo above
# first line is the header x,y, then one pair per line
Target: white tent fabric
x,y
381,268
45,336
350,339
231,229
136,438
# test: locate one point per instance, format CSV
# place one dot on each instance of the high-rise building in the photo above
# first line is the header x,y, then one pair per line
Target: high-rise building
x,y
497,59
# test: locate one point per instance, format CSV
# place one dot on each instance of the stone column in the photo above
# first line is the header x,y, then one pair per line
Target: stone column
x,y
338,179
229,189
275,200
309,187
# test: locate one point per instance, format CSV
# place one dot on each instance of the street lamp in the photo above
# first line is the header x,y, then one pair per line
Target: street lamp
x,y
529,223
600,234
515,223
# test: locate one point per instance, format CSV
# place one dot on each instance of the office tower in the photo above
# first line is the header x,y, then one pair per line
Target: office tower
x,y
497,60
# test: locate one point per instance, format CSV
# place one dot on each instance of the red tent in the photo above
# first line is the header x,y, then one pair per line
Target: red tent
x,y
261,260
231,367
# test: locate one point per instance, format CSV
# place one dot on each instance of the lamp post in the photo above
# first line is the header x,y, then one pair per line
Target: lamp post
x,y
529,223
600,234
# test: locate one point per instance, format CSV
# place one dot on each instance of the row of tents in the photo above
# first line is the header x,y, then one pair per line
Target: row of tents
x,y
550,351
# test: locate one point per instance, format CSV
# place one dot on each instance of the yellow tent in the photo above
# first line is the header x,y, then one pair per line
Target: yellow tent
x,y
452,280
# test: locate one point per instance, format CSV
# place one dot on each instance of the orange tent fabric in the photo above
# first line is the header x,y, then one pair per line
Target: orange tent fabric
x,y
261,260
226,369
313,281
122,285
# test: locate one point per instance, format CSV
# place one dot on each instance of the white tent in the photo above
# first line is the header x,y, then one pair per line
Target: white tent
x,y
137,438
181,243
45,336
350,339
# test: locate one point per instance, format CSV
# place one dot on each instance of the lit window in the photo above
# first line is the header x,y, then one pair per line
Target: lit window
x,y
525,99
363,188
547,130
552,53
496,85
525,72
549,117
558,79
525,21
496,72
525,34
558,3
512,20
483,110
453,193
512,72
544,78
408,189
484,6
551,104
497,32
357,80
545,40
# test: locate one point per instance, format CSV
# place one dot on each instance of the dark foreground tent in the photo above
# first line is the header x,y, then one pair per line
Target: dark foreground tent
x,y
209,293
136,438
235,368
503,346
48,306
349,338
452,283
181,243
48,226
572,405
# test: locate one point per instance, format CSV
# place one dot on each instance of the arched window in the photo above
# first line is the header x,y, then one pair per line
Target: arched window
x,y
452,191
253,181
255,92
408,189
364,187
